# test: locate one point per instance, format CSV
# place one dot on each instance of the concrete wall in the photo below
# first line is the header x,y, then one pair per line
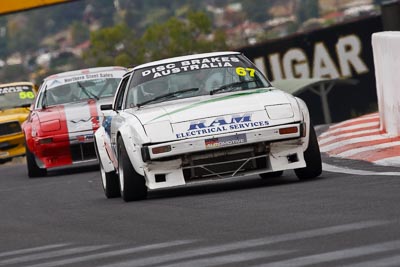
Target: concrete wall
x,y
386,53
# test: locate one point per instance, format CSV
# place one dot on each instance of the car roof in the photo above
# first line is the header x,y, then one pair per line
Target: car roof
x,y
17,84
182,58
84,71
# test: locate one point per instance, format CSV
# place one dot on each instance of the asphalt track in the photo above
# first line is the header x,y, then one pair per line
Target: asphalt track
x,y
347,217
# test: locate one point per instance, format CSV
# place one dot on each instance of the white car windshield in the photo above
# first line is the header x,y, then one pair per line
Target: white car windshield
x,y
191,78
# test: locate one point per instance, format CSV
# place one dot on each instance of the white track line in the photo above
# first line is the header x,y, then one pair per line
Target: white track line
x,y
336,255
331,168
31,250
227,259
385,262
141,249
51,254
245,244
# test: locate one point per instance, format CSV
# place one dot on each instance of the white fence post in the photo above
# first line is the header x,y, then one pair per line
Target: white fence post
x,y
386,51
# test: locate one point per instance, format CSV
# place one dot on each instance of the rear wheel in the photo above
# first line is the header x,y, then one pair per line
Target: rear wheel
x,y
312,156
268,175
33,168
132,184
110,183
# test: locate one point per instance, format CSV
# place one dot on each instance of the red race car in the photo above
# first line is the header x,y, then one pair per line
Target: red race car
x,y
66,113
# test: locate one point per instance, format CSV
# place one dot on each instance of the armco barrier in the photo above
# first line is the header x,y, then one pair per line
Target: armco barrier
x,y
386,53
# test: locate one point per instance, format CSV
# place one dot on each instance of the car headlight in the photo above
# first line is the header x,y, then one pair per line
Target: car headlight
x,y
282,111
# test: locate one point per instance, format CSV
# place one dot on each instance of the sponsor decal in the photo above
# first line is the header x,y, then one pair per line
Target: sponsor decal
x,y
342,62
15,89
107,124
99,75
88,76
190,65
221,124
85,138
74,79
225,141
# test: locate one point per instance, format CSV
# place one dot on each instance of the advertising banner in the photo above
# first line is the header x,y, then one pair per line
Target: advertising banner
x,y
342,51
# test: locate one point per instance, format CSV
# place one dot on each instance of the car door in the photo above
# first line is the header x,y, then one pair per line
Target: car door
x,y
117,120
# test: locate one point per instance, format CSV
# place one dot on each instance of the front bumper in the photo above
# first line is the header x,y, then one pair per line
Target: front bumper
x,y
220,141
62,150
223,156
12,146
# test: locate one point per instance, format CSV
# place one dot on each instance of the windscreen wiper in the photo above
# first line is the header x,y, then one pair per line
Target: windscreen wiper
x,y
86,92
231,86
168,95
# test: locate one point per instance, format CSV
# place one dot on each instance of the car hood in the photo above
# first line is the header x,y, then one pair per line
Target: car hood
x,y
210,106
209,115
78,117
14,114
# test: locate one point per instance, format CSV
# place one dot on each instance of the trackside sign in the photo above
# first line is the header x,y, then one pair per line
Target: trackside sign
x,y
340,51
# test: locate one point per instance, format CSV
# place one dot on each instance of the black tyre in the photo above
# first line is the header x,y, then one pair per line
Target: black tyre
x,y
132,184
110,183
33,168
268,175
312,156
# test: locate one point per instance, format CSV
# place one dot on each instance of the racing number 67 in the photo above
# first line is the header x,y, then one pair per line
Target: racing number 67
x,y
244,71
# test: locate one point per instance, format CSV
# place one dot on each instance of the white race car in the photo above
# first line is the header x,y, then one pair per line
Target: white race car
x,y
197,118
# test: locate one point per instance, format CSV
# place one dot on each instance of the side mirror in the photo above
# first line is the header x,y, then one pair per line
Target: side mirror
x,y
106,107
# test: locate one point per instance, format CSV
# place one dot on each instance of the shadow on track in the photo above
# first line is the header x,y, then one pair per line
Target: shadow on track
x,y
236,184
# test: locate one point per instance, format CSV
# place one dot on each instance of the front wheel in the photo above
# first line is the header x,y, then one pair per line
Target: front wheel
x,y
312,156
33,168
132,184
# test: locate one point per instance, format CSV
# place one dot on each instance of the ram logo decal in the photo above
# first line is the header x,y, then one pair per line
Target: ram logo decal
x,y
201,124
222,124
